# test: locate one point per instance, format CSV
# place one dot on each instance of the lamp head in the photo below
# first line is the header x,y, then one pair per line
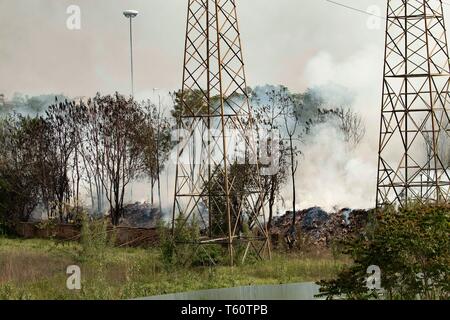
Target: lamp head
x,y
130,13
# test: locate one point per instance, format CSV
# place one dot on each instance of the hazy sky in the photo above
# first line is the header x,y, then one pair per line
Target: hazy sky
x,y
38,54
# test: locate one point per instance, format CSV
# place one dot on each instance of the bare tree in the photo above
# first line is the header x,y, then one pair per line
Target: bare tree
x,y
156,145
59,118
291,121
115,130
350,123
269,117
88,133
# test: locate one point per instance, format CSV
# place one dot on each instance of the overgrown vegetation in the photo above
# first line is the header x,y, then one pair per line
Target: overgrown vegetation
x,y
411,247
36,269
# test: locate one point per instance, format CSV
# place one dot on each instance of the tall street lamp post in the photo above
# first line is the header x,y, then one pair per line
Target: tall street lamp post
x,y
131,14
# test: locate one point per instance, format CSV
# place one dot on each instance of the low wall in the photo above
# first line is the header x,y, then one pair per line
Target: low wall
x,y
124,236
136,237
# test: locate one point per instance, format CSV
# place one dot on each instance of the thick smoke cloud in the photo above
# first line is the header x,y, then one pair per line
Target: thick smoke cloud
x,y
331,174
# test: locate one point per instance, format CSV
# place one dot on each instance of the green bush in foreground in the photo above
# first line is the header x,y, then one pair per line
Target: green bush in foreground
x,y
411,248
182,249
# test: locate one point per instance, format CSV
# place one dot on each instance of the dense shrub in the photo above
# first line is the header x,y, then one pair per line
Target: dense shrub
x,y
410,246
182,247
94,239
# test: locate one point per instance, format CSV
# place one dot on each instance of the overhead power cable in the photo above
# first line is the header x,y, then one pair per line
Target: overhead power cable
x,y
355,9
366,12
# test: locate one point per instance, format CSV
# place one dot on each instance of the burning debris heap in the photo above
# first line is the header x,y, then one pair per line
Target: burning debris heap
x,y
318,227
140,215
314,226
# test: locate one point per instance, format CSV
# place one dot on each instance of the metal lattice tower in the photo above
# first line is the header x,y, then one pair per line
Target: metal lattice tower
x,y
215,121
414,153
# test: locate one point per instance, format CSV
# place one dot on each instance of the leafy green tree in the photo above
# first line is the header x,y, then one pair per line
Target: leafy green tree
x,y
192,103
411,247
23,144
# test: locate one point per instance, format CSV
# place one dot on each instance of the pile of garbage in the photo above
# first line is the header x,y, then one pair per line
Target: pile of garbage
x,y
140,215
318,227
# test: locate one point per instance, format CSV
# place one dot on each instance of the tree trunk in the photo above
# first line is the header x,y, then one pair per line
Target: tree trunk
x,y
293,181
292,232
271,201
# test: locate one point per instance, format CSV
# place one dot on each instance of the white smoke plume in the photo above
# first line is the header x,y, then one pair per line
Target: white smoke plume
x,y
331,174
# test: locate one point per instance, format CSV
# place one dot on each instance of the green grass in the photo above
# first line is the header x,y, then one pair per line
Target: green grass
x,y
35,269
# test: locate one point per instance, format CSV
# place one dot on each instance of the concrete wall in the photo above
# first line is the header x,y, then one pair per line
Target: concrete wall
x,y
124,236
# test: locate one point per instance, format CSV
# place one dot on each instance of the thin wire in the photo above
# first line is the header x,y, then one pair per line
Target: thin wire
x,y
365,12
355,9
